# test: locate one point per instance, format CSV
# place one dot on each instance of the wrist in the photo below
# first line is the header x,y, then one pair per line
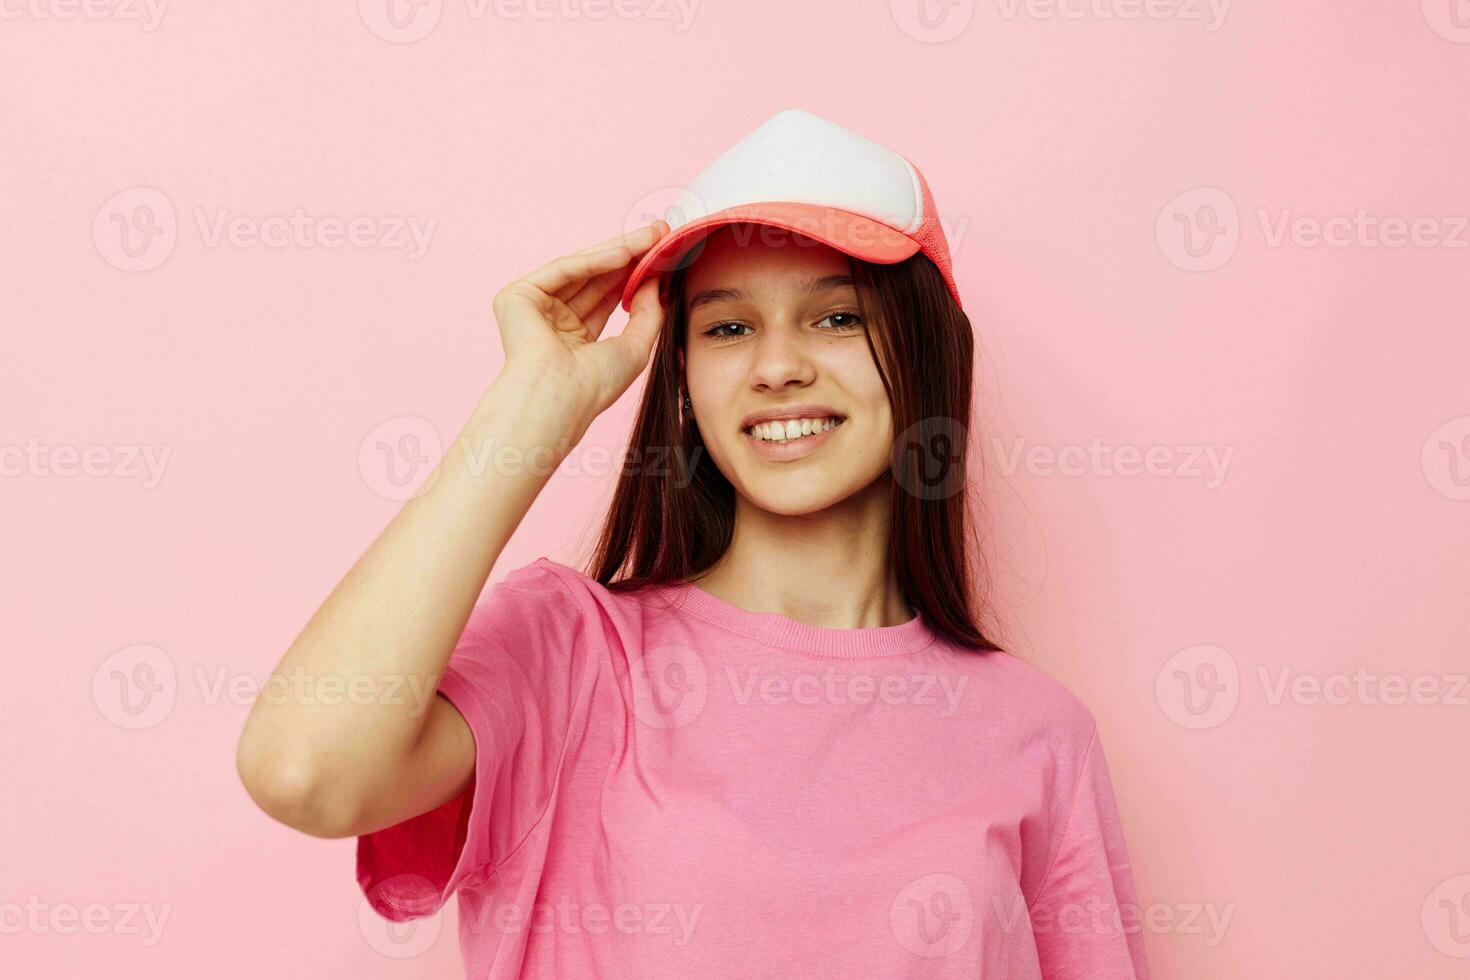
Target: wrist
x,y
528,415
544,392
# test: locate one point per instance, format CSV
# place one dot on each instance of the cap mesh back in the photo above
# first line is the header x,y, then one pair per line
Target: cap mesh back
x,y
930,236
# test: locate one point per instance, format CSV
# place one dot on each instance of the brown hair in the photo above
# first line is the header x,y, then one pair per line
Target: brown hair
x,y
674,518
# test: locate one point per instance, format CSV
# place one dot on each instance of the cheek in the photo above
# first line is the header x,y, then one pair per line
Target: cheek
x,y
713,386
864,391
710,380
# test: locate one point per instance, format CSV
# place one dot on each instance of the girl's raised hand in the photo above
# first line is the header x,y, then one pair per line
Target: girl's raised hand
x,y
550,321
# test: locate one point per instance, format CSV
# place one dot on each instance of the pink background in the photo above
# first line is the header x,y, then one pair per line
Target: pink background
x,y
1333,835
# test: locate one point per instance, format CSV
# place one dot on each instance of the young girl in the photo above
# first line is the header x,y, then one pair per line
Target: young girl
x,y
764,734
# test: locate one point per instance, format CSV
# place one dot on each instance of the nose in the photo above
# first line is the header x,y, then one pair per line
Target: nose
x,y
781,359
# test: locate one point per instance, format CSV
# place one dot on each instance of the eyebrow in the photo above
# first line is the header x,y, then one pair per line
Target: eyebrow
x,y
809,286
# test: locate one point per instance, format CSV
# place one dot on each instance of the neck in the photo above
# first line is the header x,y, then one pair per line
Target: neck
x,y
827,569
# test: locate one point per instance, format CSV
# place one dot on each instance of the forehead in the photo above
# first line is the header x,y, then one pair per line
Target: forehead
x,y
758,259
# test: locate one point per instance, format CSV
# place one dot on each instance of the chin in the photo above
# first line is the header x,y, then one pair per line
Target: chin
x,y
792,502
799,494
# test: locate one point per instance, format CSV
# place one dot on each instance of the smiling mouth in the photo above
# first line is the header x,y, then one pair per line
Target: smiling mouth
x,y
791,430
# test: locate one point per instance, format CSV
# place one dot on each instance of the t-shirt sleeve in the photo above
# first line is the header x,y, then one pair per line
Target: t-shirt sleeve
x,y
1086,916
515,675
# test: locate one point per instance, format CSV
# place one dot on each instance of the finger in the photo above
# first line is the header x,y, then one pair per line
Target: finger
x,y
522,310
591,295
596,318
620,239
575,270
572,291
579,267
645,321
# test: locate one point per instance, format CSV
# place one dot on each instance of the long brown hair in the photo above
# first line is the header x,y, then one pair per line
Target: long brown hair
x,y
673,512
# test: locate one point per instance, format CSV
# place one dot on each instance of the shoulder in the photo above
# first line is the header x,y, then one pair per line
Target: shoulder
x,y
540,577
531,598
1049,696
543,612
1031,700
543,580
546,591
552,579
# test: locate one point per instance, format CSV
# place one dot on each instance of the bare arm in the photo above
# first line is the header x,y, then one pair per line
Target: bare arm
x,y
342,766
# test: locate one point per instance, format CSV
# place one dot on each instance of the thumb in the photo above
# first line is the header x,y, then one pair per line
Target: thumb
x,y
645,321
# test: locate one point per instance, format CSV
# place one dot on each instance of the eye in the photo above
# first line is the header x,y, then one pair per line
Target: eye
x,y
715,331
852,320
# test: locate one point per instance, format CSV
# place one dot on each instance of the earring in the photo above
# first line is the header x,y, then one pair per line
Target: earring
x,y
688,405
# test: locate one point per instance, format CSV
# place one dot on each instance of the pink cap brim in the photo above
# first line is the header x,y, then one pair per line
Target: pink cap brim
x,y
854,234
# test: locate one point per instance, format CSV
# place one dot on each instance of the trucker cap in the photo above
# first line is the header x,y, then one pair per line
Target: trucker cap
x,y
805,174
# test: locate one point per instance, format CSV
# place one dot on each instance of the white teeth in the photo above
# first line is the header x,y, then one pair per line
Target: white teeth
x,y
781,431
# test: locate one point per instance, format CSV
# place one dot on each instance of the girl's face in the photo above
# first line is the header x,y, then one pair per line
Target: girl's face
x,y
785,391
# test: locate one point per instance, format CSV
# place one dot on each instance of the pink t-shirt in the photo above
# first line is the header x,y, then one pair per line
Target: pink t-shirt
x,y
668,785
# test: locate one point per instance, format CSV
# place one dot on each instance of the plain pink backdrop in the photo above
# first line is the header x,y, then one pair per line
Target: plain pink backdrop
x,y
1115,189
